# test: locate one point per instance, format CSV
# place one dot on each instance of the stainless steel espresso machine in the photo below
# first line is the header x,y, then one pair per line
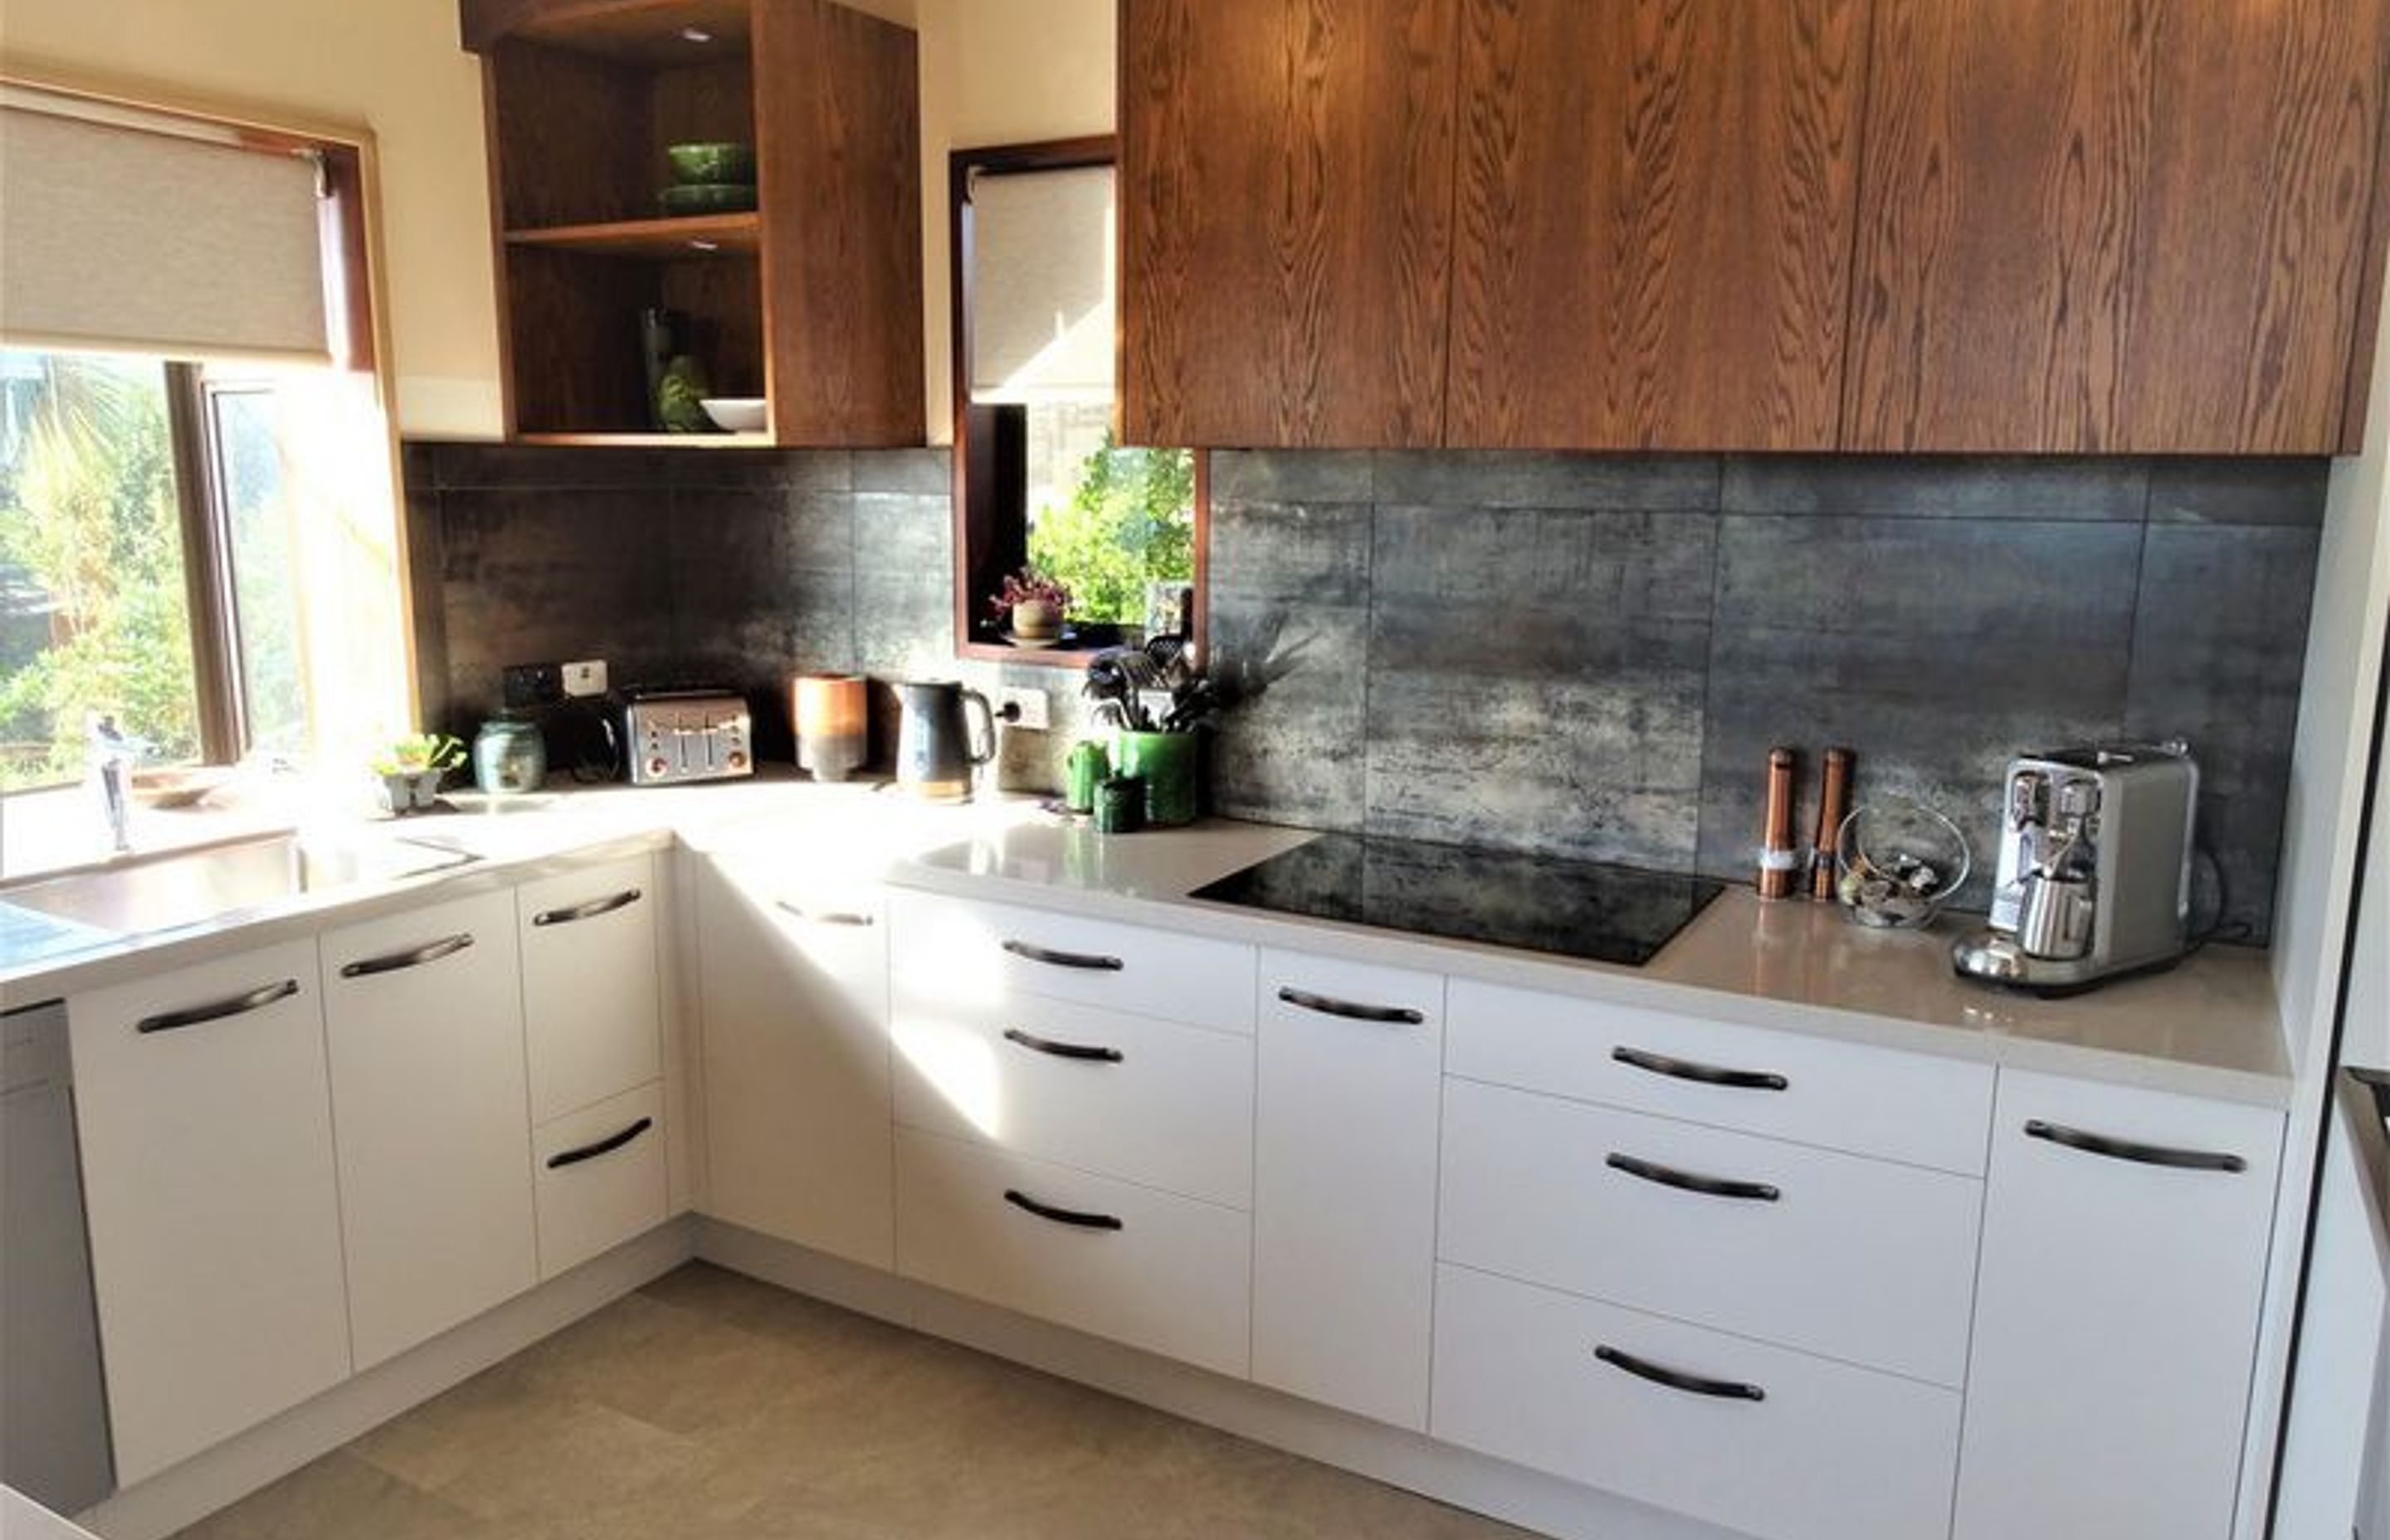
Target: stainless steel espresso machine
x,y
2095,868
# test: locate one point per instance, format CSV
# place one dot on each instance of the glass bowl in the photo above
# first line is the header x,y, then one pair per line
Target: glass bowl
x,y
1897,862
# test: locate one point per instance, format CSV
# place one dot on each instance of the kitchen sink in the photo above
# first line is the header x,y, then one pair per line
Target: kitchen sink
x,y
163,892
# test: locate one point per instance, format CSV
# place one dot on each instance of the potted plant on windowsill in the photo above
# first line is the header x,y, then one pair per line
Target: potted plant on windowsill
x,y
411,768
1029,609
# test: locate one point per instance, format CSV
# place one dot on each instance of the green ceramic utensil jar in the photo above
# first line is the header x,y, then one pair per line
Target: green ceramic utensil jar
x,y
1166,763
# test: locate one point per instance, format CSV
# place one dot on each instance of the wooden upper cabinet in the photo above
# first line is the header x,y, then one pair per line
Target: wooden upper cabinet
x,y
1285,213
1656,201
2118,225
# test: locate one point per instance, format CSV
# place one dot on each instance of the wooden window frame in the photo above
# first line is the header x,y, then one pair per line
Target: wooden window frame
x,y
989,540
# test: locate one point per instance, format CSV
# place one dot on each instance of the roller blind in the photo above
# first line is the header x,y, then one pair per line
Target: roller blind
x,y
1042,285
120,234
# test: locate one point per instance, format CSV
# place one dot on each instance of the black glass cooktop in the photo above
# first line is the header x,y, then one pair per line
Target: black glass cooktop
x,y
1538,904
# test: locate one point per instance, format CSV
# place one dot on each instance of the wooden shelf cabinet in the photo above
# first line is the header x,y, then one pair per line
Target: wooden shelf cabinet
x,y
812,301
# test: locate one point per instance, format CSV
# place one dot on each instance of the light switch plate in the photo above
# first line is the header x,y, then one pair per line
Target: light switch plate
x,y
1035,712
584,678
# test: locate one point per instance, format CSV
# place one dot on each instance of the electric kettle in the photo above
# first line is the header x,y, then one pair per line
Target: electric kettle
x,y
936,750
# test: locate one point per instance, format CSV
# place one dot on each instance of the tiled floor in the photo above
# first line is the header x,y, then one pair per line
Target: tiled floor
x,y
707,1406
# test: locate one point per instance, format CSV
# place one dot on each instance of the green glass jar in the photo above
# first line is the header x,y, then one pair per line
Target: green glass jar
x,y
1081,773
1120,806
509,755
1166,763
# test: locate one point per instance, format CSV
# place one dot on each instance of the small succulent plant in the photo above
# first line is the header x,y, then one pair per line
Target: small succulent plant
x,y
419,753
1029,587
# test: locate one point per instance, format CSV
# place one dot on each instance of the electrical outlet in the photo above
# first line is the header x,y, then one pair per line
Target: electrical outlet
x,y
1024,706
584,678
533,684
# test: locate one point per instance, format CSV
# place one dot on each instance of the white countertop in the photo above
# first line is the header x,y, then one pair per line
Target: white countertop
x,y
2209,1027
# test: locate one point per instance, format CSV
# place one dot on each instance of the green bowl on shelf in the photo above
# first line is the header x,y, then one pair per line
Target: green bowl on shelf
x,y
710,198
698,164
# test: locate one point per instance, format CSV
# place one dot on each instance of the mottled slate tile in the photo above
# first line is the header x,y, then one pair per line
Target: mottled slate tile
x,y
1936,649
929,470
903,529
1292,476
542,576
905,623
1519,577
1955,486
1293,552
1489,479
426,560
2205,491
1289,750
2219,644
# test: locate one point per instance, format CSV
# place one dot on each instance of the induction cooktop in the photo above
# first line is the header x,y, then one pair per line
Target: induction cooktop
x,y
1535,903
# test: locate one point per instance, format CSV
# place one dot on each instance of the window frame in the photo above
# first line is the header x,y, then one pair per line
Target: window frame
x,y
989,540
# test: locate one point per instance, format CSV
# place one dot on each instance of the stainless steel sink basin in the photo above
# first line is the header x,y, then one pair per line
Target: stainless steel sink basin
x,y
163,892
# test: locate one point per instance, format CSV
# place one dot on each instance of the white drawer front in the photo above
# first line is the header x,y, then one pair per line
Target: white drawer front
x,y
1172,1278
592,1010
1149,1101
1830,1452
1872,1101
1856,1259
954,950
599,1175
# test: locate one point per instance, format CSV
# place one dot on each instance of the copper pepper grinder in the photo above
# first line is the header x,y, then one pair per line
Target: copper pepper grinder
x,y
1778,861
1833,806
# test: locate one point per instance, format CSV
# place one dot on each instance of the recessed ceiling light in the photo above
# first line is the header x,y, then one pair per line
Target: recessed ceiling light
x,y
705,246
696,35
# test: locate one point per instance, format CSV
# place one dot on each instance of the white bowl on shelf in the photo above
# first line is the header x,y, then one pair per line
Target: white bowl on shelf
x,y
736,414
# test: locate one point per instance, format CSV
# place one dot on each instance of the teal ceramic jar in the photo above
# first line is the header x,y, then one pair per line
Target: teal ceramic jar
x,y
1166,763
509,755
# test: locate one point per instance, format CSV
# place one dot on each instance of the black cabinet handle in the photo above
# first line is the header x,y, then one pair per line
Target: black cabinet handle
x,y
2126,1150
1073,1217
1708,1186
606,1145
1088,960
825,917
1705,1074
1062,1051
1326,1006
1676,1380
590,910
446,946
216,1011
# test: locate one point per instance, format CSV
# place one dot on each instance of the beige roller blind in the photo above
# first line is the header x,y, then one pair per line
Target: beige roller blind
x,y
121,237
1042,285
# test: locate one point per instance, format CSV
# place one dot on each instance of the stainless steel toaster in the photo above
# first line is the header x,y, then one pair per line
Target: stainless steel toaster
x,y
687,735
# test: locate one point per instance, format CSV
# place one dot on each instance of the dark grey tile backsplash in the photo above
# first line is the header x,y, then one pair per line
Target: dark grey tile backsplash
x,y
1585,655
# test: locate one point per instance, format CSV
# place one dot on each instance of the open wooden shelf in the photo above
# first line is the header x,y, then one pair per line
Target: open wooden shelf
x,y
684,236
654,441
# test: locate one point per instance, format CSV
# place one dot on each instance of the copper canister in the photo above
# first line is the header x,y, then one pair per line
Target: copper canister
x,y
833,737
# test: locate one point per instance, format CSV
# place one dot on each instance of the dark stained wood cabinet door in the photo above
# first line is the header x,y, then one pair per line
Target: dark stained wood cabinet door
x,y
2116,226
1656,204
1285,216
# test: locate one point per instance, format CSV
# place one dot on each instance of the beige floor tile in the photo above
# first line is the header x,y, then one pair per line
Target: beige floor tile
x,y
340,1495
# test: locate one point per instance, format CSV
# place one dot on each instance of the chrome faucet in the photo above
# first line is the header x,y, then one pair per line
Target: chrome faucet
x,y
113,756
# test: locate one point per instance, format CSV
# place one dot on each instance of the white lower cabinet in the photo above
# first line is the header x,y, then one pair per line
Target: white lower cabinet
x,y
792,983
204,1113
591,990
1167,1274
2123,1261
600,1174
1771,1442
423,1020
1350,1070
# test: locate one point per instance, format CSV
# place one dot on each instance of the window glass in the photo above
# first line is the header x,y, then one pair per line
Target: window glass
x,y
1114,526
94,609
259,546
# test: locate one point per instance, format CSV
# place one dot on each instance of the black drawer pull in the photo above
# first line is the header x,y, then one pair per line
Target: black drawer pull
x,y
216,1011
1062,1051
590,910
1676,1380
606,1145
1708,1186
1073,1217
1088,960
2126,1150
1705,1074
825,917
1326,1006
446,946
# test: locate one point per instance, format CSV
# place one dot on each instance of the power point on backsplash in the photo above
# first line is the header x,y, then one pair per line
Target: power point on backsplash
x,y
1024,706
585,678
